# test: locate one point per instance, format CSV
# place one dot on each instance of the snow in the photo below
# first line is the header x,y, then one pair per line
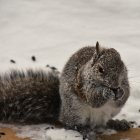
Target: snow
x,y
54,29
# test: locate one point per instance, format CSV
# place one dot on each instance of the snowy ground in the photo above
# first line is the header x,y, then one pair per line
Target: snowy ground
x,y
53,29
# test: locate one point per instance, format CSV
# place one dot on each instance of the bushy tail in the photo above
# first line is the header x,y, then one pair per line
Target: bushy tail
x,y
30,96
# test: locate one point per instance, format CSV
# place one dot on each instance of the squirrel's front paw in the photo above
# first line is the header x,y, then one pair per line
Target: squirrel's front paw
x,y
108,93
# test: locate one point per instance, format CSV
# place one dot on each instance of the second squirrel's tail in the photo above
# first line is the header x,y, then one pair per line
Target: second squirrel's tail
x,y
30,96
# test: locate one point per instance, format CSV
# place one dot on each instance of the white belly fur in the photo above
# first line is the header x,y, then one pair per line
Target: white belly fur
x,y
98,116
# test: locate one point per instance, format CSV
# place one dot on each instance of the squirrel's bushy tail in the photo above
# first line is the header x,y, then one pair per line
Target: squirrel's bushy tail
x,y
30,96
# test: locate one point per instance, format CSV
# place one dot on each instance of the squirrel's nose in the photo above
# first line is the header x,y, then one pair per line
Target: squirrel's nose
x,y
115,89
119,92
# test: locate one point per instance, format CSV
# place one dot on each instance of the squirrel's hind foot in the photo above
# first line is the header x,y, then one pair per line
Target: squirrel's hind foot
x,y
119,125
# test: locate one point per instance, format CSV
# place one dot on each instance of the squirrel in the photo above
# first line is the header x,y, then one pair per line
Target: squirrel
x,y
92,88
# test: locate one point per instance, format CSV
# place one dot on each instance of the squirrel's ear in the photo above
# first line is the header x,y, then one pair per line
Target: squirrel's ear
x,y
97,48
96,53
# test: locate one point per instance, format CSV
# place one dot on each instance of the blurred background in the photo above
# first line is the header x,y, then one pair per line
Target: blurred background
x,y
52,30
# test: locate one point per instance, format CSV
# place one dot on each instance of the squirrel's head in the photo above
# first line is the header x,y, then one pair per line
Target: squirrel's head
x,y
105,68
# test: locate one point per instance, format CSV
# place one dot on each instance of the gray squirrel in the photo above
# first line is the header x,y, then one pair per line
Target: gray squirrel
x,y
92,89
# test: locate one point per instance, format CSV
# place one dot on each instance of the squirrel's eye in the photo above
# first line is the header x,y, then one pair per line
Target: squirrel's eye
x,y
101,70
